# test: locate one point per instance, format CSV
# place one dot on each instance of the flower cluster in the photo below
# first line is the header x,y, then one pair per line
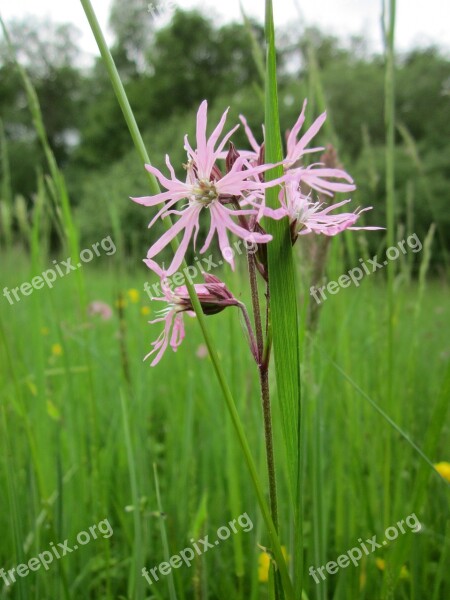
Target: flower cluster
x,y
214,297
206,188
234,197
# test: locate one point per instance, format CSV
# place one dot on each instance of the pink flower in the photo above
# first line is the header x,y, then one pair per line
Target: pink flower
x,y
214,297
316,176
202,351
306,216
100,308
296,149
254,154
206,188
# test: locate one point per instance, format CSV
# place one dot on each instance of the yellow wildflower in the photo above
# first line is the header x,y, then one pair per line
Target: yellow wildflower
x,y
263,566
443,468
133,295
381,564
264,561
145,310
57,350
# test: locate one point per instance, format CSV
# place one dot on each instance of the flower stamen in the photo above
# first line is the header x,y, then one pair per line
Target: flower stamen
x,y
205,192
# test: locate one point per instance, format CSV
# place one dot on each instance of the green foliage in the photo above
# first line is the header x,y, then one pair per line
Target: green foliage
x,y
69,474
48,52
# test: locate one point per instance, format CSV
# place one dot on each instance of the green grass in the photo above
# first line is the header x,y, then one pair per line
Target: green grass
x,y
80,442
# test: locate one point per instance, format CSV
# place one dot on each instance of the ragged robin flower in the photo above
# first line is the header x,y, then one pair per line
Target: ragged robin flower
x,y
214,297
206,188
317,176
306,216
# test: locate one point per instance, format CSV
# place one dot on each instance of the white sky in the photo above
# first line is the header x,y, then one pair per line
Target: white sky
x,y
419,22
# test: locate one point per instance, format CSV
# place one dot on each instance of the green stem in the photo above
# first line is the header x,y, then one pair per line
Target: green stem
x,y
139,143
390,226
263,368
268,435
251,335
256,306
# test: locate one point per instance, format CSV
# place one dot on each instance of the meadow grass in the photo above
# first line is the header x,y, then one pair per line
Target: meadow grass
x,y
80,442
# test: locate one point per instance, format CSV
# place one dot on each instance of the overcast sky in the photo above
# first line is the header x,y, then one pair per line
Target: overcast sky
x,y
419,22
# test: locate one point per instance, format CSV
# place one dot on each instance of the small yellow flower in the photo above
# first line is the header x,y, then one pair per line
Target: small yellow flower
x,y
404,573
57,350
133,295
145,310
263,567
363,576
264,561
443,468
381,564
45,330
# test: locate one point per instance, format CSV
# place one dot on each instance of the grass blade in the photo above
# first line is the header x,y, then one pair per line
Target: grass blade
x,y
283,294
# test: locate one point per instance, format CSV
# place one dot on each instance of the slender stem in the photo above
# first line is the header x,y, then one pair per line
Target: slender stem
x,y
268,435
263,366
390,7
256,306
268,342
253,345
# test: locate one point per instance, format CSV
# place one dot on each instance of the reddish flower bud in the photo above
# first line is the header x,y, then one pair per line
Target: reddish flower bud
x,y
232,157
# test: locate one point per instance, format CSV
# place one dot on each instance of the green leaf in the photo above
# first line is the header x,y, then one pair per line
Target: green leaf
x,y
283,294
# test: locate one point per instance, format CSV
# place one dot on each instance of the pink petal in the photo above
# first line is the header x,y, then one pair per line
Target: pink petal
x,y
164,209
160,345
202,120
217,131
154,200
190,214
169,184
251,138
307,137
177,332
209,237
223,242
292,138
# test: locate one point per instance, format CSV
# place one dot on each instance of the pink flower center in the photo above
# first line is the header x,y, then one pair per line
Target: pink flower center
x,y
205,192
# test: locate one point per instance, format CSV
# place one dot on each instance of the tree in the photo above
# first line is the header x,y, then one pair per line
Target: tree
x,y
49,53
132,23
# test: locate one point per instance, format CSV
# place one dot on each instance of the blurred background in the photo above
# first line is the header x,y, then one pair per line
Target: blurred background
x,y
183,54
